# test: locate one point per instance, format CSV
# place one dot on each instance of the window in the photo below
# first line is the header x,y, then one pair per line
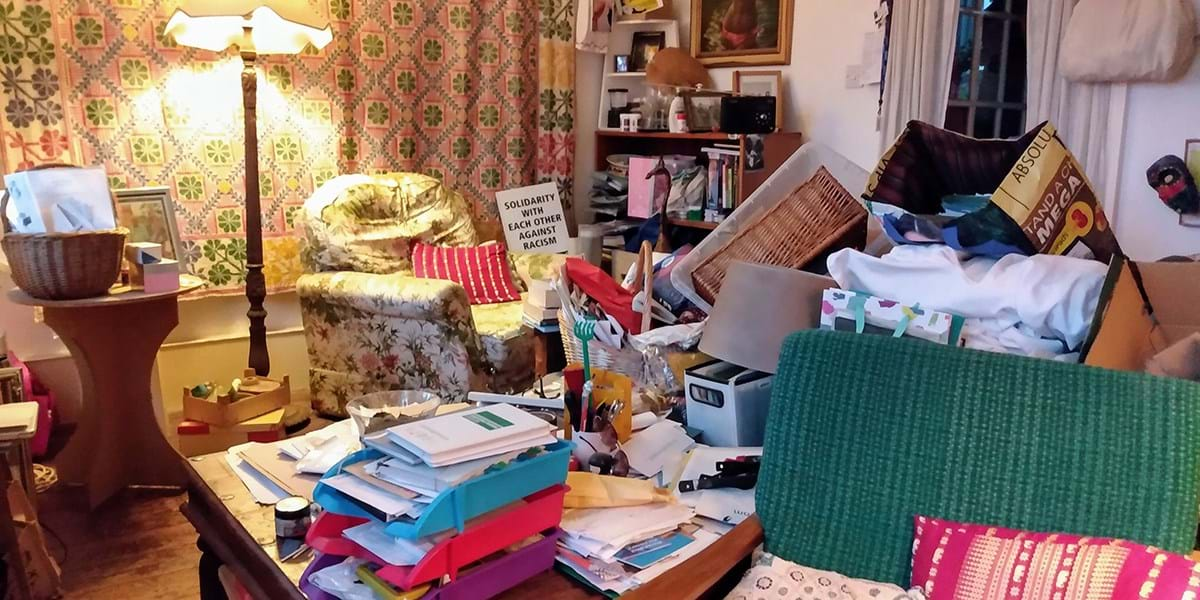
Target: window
x,y
987,81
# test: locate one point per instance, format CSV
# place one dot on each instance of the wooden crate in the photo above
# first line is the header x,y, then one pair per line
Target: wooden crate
x,y
257,396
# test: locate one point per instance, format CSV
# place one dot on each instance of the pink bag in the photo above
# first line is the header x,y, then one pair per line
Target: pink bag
x,y
36,392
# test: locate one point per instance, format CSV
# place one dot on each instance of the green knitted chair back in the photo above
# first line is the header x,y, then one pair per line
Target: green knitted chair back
x,y
865,432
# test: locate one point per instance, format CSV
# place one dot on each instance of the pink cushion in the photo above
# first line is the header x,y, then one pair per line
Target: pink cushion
x,y
482,270
978,562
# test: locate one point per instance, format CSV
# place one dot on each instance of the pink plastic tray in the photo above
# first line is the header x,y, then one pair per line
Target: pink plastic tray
x,y
539,512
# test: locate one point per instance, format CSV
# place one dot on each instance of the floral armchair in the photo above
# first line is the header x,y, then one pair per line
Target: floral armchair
x,y
371,325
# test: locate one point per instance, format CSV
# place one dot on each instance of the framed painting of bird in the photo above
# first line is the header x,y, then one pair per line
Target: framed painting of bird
x,y
742,32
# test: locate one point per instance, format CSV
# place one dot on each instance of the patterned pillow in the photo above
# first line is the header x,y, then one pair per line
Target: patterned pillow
x,y
977,562
772,578
483,270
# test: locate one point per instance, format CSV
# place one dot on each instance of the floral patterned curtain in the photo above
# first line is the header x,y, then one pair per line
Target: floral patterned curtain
x,y
478,92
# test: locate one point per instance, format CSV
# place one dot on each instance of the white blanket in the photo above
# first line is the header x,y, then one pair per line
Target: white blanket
x,y
1035,305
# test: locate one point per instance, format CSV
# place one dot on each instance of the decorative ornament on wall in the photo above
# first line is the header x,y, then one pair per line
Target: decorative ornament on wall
x,y
1176,187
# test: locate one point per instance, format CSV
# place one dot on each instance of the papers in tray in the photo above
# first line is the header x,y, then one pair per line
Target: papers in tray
x,y
619,578
432,480
385,505
469,435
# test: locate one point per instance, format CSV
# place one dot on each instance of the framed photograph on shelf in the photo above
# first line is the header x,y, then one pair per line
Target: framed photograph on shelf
x,y
762,83
645,45
149,215
703,110
732,33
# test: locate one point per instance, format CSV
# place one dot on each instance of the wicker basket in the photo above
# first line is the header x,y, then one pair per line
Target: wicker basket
x,y
625,361
65,266
819,216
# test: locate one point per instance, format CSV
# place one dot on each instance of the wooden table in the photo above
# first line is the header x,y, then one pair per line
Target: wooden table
x,y
113,340
241,533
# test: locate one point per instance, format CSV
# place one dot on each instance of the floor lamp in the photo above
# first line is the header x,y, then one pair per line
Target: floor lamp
x,y
254,27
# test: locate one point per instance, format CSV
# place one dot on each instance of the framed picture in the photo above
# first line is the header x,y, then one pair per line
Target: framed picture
x,y
742,32
149,215
762,83
645,45
703,110
621,63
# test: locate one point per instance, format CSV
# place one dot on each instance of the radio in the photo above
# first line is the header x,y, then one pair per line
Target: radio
x,y
747,114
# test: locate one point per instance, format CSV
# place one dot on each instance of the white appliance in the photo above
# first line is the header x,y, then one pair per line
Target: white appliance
x,y
727,403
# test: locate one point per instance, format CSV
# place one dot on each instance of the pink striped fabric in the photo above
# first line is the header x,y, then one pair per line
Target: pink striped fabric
x,y
482,270
976,562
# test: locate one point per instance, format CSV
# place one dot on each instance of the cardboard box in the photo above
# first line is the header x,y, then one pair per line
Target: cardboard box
x,y
196,437
257,396
1145,307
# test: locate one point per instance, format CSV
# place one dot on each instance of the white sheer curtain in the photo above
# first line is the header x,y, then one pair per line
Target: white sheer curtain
x,y
1090,117
920,55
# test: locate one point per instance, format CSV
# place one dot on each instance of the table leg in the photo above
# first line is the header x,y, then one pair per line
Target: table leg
x,y
118,442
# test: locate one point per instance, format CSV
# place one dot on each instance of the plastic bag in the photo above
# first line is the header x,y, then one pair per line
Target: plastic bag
x,y
1144,40
342,581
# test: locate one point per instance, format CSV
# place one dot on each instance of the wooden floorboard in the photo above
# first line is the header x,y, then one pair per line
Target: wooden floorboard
x,y
137,545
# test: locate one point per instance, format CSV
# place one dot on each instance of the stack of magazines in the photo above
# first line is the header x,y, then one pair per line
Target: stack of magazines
x,y
438,504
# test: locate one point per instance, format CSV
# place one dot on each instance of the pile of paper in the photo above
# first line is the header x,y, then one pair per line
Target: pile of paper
x,y
426,457
273,471
617,549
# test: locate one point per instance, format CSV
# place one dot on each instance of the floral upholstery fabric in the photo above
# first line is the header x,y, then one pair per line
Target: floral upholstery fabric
x,y
367,223
371,326
507,344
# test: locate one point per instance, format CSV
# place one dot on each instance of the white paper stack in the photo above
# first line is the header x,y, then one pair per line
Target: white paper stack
x,y
467,435
603,532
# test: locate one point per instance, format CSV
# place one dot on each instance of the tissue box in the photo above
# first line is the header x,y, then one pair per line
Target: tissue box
x,y
143,253
863,313
156,277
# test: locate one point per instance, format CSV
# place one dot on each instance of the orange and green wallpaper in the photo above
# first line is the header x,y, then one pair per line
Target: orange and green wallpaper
x,y
478,92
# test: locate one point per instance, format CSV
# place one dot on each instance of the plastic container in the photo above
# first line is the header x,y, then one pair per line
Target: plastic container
x,y
536,513
483,581
452,508
362,408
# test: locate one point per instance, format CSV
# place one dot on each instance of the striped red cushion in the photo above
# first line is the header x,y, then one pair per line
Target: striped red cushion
x,y
482,270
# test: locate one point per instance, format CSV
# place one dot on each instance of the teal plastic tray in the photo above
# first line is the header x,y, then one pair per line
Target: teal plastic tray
x,y
452,508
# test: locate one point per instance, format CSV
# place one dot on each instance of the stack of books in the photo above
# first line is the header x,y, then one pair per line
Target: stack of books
x,y
541,306
723,173
445,501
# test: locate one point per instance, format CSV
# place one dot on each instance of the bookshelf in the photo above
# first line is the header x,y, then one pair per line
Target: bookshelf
x,y
777,148
620,41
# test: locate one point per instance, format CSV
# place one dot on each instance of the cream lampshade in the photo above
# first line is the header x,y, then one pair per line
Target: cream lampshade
x,y
757,307
261,26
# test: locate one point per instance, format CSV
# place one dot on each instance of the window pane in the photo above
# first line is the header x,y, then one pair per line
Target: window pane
x,y
1018,7
964,48
1012,123
956,119
968,3
993,5
985,123
991,54
1014,77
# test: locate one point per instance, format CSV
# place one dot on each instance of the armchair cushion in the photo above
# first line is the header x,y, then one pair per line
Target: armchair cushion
x,y
772,578
367,223
980,562
483,270
507,344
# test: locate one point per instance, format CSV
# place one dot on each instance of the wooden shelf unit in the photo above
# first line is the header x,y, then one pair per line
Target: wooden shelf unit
x,y
778,147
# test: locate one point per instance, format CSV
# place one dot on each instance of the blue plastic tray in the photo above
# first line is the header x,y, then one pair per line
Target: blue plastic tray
x,y
454,507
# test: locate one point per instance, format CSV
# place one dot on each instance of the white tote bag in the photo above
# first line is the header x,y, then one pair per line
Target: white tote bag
x,y
1129,40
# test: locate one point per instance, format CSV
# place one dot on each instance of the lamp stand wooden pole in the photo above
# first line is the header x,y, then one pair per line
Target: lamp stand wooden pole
x,y
256,284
